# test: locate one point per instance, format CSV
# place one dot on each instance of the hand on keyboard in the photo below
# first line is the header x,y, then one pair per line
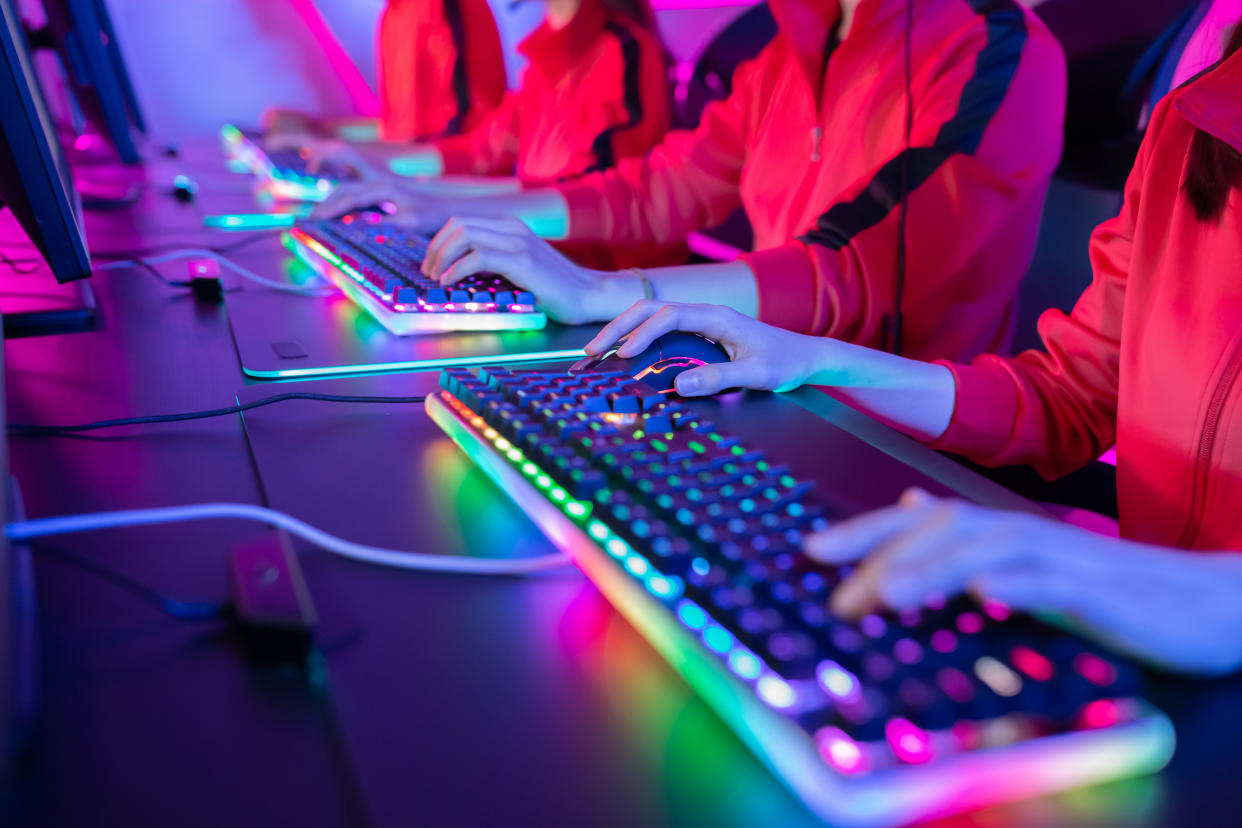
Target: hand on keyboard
x,y
566,291
1177,610
419,212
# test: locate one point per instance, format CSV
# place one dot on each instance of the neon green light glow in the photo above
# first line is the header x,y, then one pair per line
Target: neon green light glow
x,y
576,509
515,455
530,469
250,221
637,566
543,481
598,530
559,495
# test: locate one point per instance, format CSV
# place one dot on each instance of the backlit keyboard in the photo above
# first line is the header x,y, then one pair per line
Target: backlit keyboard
x,y
695,536
284,173
376,263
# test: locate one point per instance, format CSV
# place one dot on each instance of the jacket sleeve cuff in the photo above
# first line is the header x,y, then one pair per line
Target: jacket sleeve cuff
x,y
785,282
586,207
984,408
455,155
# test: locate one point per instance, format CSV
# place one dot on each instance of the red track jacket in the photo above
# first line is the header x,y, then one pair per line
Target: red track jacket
x,y
812,144
595,91
1151,355
441,69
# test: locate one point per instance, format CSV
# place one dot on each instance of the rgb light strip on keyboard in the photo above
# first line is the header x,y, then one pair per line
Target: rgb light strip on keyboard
x,y
374,287
841,734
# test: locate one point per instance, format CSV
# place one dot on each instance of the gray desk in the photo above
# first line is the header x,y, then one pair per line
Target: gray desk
x,y
454,700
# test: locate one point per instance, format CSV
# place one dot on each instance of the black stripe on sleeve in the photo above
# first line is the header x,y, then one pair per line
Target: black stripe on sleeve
x,y
981,98
605,155
461,82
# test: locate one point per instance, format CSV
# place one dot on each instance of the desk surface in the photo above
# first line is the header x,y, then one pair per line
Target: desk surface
x,y
449,700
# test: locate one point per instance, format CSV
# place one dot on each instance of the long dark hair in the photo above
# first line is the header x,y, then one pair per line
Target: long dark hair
x,y
1214,168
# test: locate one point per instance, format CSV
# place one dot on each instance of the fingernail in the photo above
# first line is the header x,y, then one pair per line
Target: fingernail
x,y
688,384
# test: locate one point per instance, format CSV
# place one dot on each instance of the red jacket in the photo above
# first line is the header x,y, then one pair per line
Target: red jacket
x,y
440,69
819,181
1149,358
594,92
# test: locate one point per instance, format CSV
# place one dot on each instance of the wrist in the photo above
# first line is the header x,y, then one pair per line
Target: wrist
x,y
613,292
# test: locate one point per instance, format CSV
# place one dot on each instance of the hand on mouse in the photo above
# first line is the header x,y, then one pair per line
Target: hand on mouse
x,y
566,291
419,211
1172,608
762,357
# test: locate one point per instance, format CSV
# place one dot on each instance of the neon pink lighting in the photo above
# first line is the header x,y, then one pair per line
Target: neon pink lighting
x,y
840,751
996,610
1095,669
911,744
1032,663
969,623
714,249
1100,713
363,98
943,641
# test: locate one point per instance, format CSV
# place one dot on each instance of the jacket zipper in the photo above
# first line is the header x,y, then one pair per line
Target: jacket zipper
x,y
1207,441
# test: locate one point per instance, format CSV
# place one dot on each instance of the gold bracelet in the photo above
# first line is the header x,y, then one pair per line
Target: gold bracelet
x,y
648,291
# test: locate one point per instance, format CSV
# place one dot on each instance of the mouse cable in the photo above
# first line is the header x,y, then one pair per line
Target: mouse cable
x,y
28,428
203,253
184,610
456,564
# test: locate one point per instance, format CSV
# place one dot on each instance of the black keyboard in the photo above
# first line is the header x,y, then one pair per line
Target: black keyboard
x,y
377,263
695,535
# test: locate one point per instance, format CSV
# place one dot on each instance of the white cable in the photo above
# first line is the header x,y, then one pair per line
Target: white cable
x,y
194,253
69,524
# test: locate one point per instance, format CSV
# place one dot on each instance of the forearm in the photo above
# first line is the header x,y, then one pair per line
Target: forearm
x,y
915,397
730,283
542,210
466,186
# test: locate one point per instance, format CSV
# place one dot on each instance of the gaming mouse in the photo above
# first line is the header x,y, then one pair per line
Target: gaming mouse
x,y
662,361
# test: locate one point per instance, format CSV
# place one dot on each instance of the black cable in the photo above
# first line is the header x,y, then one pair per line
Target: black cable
x,y
16,264
26,428
900,288
142,264
185,610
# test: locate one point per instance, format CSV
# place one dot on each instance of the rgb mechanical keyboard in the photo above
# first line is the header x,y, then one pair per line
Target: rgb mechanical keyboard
x,y
694,535
283,172
377,265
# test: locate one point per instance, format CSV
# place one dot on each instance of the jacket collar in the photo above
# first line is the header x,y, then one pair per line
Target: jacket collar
x,y
1212,102
556,50
806,26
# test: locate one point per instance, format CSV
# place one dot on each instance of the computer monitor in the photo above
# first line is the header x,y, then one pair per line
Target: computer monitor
x,y
82,33
35,185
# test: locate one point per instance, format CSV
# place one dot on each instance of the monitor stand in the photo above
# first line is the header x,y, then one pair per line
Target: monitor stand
x,y
40,306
